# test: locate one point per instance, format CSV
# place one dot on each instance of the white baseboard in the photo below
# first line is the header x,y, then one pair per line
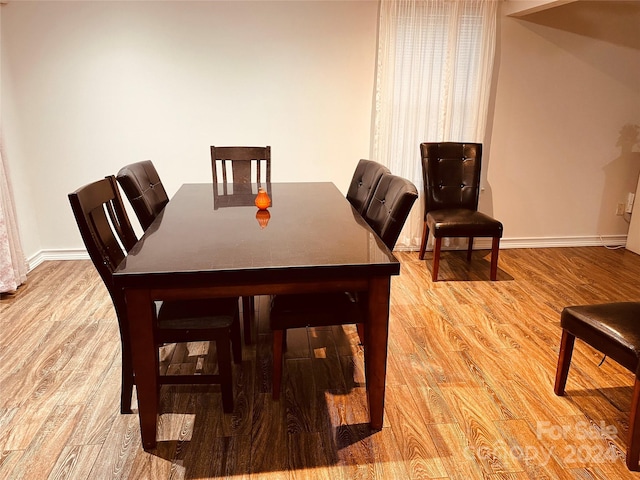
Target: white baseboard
x,y
480,244
44,255
547,242
551,242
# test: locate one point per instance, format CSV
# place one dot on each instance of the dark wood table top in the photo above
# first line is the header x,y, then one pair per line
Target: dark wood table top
x,y
314,241
313,233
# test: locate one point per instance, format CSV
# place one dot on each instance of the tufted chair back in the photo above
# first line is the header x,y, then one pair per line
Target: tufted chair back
x,y
363,184
451,175
142,186
390,207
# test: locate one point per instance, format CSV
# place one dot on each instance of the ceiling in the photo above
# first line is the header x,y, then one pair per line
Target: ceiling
x,y
613,21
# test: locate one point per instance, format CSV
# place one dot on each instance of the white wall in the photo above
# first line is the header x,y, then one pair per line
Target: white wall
x,y
90,86
563,95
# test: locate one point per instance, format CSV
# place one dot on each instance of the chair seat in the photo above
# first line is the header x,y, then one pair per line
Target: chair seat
x,y
108,236
612,328
388,209
461,222
315,309
203,314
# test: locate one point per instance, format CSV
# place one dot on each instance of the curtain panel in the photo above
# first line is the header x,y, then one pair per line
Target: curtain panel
x,y
433,81
13,265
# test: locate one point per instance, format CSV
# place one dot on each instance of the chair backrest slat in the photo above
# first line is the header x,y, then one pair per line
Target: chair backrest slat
x,y
105,230
241,160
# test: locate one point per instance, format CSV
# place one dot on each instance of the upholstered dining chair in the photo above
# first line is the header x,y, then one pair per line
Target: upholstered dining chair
x,y
142,186
390,205
238,168
144,190
105,230
451,176
614,330
364,182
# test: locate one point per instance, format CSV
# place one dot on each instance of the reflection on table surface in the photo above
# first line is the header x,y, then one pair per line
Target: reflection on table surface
x,y
238,195
315,242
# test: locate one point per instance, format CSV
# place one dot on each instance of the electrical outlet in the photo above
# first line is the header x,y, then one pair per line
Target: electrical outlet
x,y
620,209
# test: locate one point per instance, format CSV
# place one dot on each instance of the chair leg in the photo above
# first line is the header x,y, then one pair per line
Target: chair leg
x,y
236,342
360,327
247,310
564,361
126,388
469,249
276,380
223,351
495,249
128,380
425,237
436,258
633,448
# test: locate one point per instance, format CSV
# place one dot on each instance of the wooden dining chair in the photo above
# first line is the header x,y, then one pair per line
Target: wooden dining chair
x,y
108,235
363,184
236,169
390,205
451,177
241,165
144,190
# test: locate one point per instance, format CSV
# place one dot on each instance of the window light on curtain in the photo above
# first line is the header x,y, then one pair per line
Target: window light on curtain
x,y
13,266
435,59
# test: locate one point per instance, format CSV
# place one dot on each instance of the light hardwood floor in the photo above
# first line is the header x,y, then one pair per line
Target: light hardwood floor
x,y
470,383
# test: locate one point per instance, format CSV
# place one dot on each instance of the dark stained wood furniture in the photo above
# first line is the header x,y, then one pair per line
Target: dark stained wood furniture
x,y
237,173
389,206
243,161
107,233
315,242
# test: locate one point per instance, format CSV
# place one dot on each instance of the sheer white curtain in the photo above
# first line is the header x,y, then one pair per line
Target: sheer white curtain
x,y
435,59
13,266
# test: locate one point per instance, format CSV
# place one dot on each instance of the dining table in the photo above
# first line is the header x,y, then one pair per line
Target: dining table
x,y
310,240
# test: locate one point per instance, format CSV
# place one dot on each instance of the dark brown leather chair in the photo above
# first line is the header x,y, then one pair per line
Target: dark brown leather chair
x,y
241,160
390,205
363,184
451,175
614,330
144,190
104,226
142,186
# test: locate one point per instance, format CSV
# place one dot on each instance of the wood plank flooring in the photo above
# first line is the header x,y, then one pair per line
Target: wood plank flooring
x,y
470,383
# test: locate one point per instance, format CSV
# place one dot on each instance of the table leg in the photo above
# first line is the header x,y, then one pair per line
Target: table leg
x,y
145,355
376,334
